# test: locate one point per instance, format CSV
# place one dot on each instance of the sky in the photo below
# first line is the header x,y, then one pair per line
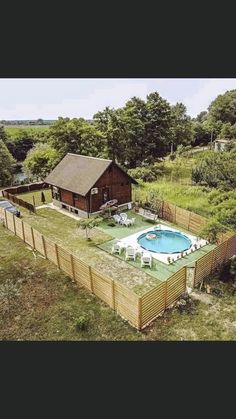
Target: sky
x,y
51,98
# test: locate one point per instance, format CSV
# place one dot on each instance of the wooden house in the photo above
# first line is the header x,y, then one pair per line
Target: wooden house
x,y
81,184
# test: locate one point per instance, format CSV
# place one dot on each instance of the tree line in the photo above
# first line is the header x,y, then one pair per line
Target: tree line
x,y
136,135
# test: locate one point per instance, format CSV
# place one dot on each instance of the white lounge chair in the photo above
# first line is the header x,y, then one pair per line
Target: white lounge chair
x,y
146,259
116,218
117,248
127,222
130,253
123,217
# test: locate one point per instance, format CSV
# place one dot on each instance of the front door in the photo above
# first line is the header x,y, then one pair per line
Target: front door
x,y
105,195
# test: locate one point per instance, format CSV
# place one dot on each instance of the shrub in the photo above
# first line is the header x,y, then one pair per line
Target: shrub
x,y
227,271
82,323
146,173
212,230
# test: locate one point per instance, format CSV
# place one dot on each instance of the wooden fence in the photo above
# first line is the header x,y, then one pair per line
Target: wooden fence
x,y
210,262
10,193
15,190
18,201
138,311
184,218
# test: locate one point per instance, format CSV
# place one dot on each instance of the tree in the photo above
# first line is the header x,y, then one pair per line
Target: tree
x,y
76,136
88,224
156,200
157,127
202,116
3,134
20,145
223,108
216,170
135,119
6,165
201,133
182,126
41,160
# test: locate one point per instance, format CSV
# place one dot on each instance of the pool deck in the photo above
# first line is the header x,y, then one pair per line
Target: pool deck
x,y
160,270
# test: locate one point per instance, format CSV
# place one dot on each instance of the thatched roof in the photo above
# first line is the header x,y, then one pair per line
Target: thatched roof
x,y
78,174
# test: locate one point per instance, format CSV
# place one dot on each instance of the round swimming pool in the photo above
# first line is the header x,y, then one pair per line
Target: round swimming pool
x,y
164,241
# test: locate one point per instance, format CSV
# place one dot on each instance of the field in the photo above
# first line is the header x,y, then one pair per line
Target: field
x,y
192,198
51,307
15,130
175,186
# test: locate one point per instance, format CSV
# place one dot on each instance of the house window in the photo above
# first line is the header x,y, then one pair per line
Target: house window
x,y
76,196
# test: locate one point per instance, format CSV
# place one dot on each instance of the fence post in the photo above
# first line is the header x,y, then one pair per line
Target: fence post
x,y
140,313
14,224
91,278
189,218
175,215
32,234
166,295
72,266
57,255
113,294
5,215
23,230
44,247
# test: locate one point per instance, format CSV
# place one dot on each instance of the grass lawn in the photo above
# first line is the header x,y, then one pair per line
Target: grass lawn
x,y
50,306
28,197
63,230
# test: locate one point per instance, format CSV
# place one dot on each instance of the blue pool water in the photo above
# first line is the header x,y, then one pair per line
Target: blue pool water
x,y
165,241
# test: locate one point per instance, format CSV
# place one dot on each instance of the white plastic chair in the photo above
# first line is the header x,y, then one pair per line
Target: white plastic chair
x,y
123,217
146,259
127,222
132,221
117,248
117,218
130,253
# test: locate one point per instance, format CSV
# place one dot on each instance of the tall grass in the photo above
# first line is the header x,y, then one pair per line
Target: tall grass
x,y
192,198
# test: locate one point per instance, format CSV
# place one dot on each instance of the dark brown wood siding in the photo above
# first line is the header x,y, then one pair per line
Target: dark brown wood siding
x,y
73,200
117,183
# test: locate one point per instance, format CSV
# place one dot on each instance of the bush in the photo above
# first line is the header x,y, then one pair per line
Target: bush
x,y
212,230
227,271
146,173
82,323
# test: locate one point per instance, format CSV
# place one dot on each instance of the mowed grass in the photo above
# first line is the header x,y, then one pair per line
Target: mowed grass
x,y
50,307
63,230
28,197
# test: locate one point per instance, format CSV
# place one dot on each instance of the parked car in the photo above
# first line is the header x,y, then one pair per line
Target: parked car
x,y
9,207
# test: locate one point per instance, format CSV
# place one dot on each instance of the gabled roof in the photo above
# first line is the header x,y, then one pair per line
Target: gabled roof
x,y
77,173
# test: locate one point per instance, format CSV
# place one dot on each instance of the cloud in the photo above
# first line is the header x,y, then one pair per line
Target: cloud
x,y
211,88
